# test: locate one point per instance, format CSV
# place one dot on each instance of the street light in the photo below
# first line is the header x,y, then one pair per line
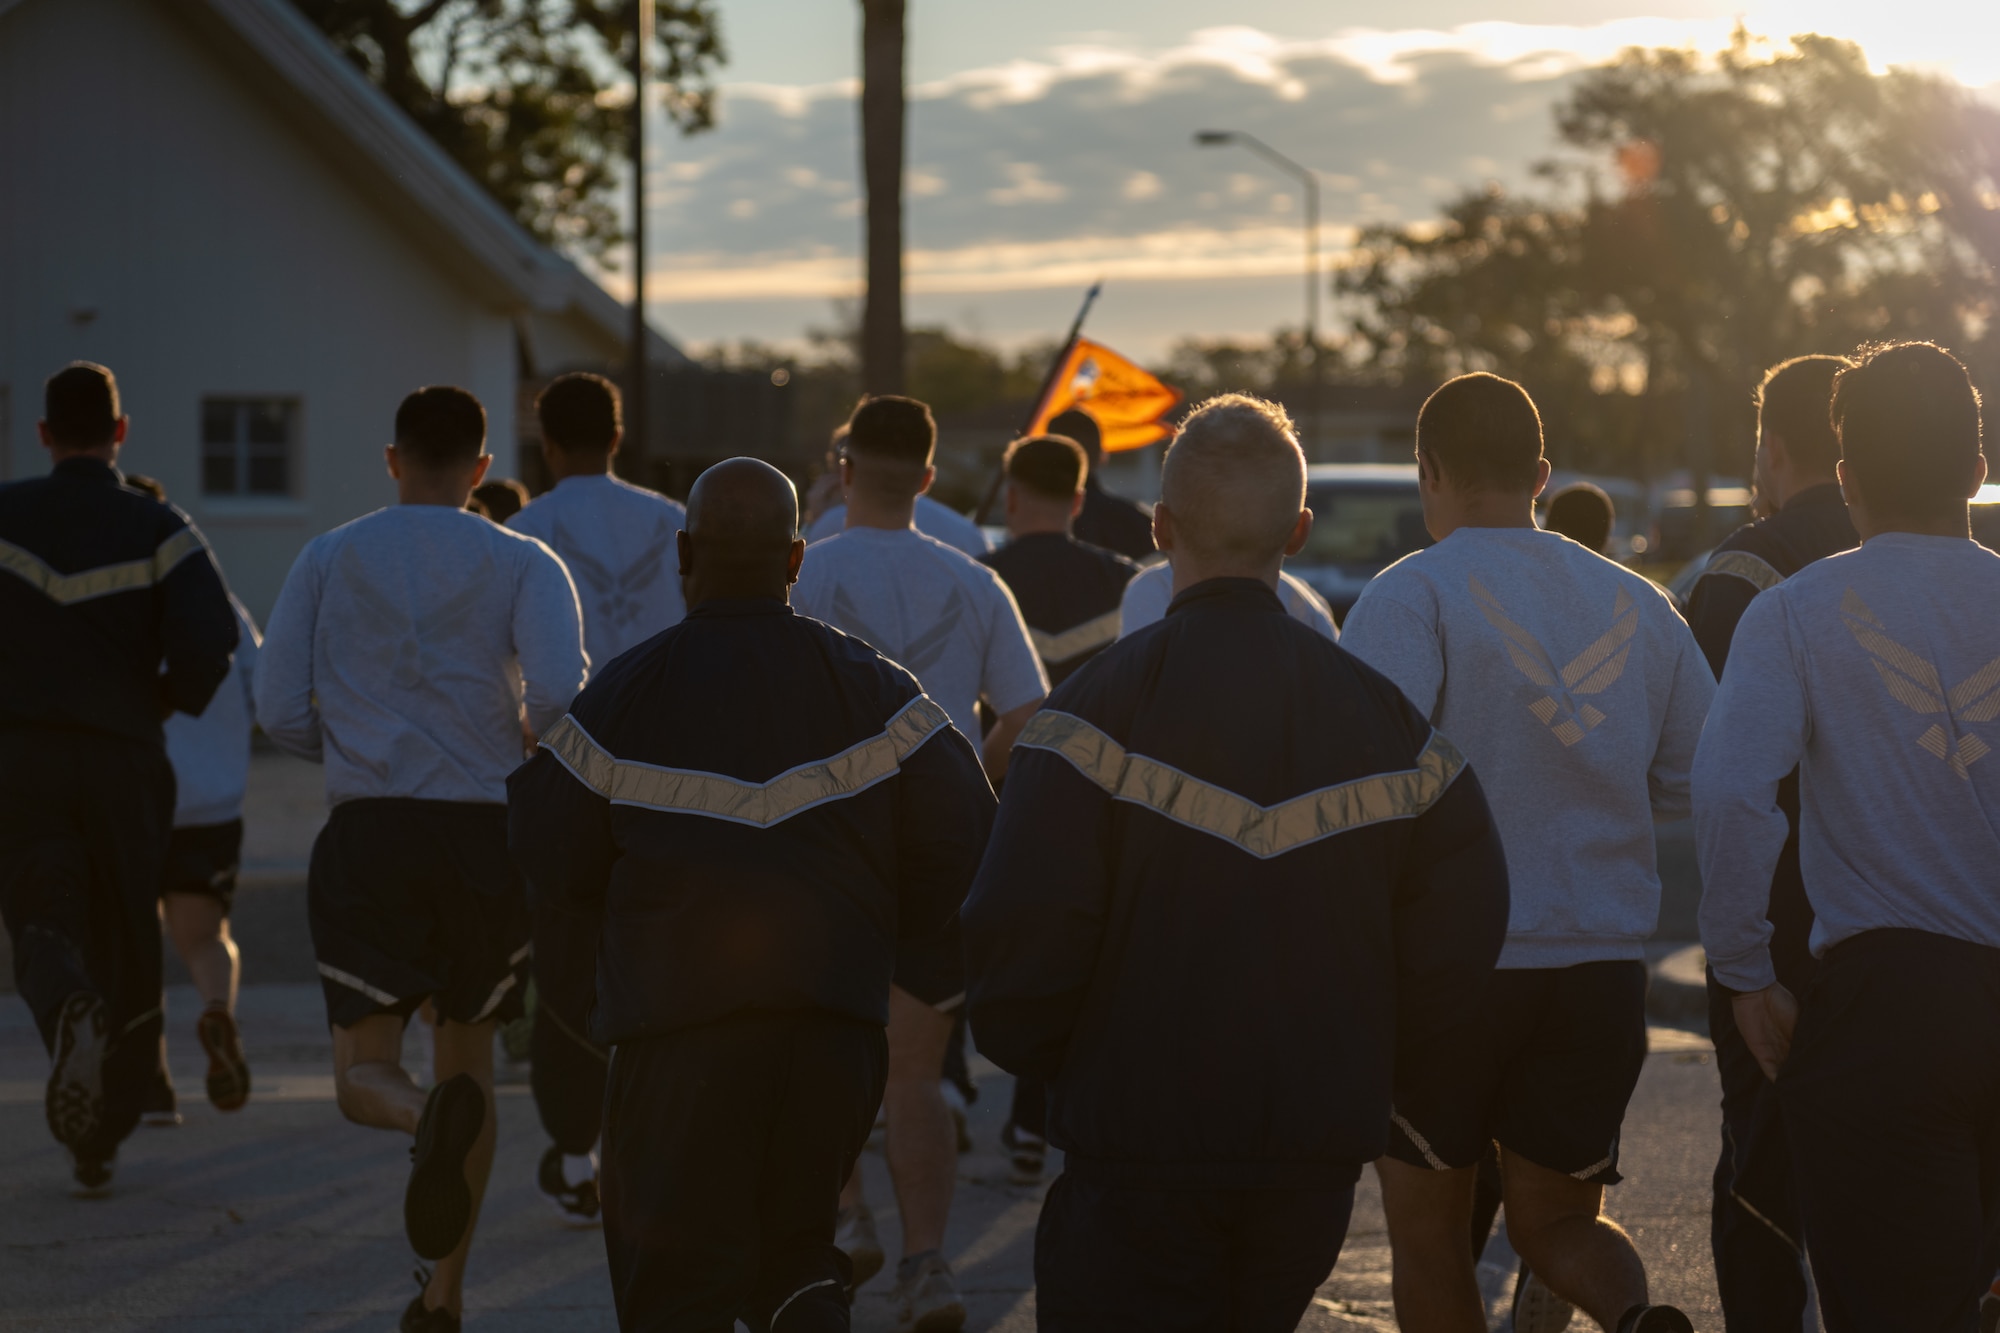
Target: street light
x,y
1308,178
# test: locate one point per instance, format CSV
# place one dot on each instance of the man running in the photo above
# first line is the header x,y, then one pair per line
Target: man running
x,y
408,651
1872,673
952,623
1224,843
1576,679
749,810
1759,1259
1106,520
617,540
115,617
1068,592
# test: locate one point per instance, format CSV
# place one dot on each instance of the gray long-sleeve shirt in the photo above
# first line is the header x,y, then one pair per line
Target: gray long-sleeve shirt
x,y
1877,673
1577,692
404,646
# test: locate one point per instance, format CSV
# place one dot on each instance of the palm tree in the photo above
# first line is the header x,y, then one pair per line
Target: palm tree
x,y
882,171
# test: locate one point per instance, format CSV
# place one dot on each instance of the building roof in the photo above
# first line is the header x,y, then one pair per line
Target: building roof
x,y
348,116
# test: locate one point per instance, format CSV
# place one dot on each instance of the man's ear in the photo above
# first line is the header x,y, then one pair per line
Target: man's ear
x,y
795,560
930,475
1076,505
684,547
1163,526
479,471
1301,531
1978,476
394,463
1542,471
118,430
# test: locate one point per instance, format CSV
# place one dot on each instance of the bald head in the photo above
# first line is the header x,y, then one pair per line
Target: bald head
x,y
742,532
1234,484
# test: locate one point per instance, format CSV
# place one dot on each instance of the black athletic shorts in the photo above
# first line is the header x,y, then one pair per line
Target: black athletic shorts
x,y
203,859
933,969
412,899
1548,1075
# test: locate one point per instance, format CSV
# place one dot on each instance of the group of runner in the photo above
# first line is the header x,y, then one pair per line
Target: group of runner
x,y
1260,903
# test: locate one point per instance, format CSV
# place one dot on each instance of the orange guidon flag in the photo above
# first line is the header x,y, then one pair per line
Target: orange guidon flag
x,y
1126,401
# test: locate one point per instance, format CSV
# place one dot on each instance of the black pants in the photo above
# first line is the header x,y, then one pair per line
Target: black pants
x,y
1754,1222
1031,1105
1891,1096
84,822
1118,1259
725,1147
567,1067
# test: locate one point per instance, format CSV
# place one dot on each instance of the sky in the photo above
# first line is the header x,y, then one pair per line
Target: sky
x,y
1051,144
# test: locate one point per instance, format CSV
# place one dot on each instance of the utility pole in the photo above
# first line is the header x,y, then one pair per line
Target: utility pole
x,y
1308,178
635,386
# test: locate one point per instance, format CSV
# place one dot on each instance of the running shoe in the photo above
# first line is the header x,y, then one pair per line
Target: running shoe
x,y
437,1205
75,1099
228,1071
927,1299
578,1203
1026,1154
416,1319
93,1175
157,1104
954,1101
1536,1308
1989,1309
1654,1319
854,1236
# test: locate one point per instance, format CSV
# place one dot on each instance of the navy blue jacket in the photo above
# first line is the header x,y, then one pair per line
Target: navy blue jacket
x,y
1237,889
752,807
114,611
1813,525
1068,592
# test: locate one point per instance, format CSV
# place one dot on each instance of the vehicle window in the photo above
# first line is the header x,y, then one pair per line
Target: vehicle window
x,y
1369,526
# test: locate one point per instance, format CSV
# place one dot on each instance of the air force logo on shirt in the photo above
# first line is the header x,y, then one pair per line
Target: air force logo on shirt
x,y
1563,709
1913,682
923,651
616,596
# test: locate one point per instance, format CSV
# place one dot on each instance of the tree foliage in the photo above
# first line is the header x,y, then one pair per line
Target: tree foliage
x,y
1715,215
529,96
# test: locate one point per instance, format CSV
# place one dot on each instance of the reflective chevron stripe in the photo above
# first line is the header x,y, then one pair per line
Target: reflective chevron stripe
x,y
1263,831
1742,565
67,589
692,792
1055,649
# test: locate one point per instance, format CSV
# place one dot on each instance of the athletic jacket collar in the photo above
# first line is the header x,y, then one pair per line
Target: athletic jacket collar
x,y
82,467
1234,594
733,607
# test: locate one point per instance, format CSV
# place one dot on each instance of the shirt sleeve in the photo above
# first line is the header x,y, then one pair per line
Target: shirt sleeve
x,y
1308,607
1688,702
548,638
1756,735
1012,674
1401,644
1034,922
198,629
1714,607
1145,601
249,643
283,688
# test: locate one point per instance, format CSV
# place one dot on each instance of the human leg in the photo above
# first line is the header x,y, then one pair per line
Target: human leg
x,y
1429,1213
1888,1095
465,1049
370,1085
566,1072
200,933
921,1145
1754,1229
1556,1223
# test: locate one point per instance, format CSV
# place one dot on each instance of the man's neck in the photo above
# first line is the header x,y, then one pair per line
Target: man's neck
x,y
872,511
1486,509
1189,571
106,454
563,466
1943,525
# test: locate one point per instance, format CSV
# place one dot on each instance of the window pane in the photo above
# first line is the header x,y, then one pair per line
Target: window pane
x,y
218,421
270,473
270,423
218,470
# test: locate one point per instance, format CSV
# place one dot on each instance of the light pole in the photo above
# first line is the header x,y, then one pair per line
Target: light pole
x,y
1308,178
635,389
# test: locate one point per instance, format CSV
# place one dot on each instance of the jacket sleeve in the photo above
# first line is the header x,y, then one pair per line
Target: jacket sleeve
x,y
284,682
1035,920
197,629
1716,604
1756,735
944,812
1688,700
1451,920
548,638
559,832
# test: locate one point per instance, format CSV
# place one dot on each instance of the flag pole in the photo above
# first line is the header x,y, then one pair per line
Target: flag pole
x,y
1042,395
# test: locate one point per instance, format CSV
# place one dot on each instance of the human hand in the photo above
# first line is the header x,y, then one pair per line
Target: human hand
x,y
1767,1018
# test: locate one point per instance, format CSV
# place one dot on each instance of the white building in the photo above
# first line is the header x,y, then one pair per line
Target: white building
x,y
206,197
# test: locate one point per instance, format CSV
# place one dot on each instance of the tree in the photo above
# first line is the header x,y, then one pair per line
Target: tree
x,y
882,114
526,94
1759,203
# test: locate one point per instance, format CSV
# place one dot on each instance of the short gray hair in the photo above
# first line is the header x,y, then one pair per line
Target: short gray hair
x,y
1235,479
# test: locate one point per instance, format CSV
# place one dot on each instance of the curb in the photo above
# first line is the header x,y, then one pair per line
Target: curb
x,y
1678,995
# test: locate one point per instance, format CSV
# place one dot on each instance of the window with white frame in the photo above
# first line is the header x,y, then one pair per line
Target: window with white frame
x,y
247,446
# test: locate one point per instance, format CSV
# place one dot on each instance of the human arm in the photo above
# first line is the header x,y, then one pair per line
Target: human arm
x,y
1011,680
548,639
1691,694
1401,643
944,812
283,687
1756,734
1035,919
999,741
197,623
559,832
1714,607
